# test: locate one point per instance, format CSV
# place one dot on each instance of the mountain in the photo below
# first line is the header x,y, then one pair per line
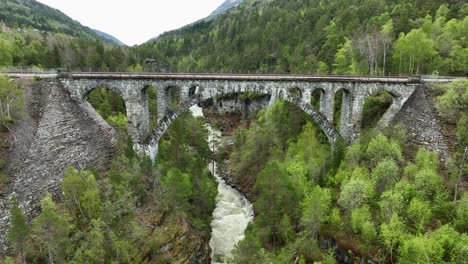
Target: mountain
x,y
228,4
109,37
32,14
352,37
36,35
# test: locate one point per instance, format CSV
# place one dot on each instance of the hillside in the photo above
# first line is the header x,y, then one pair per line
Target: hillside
x,y
109,37
35,35
227,5
334,37
32,14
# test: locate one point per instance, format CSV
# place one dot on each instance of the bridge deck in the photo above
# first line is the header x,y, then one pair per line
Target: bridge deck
x,y
237,77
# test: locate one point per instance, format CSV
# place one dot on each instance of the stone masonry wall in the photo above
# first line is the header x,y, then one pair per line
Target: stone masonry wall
x,y
56,132
418,117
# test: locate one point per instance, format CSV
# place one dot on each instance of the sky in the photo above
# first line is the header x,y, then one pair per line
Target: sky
x,y
136,21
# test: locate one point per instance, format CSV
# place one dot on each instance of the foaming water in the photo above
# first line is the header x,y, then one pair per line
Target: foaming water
x,y
233,211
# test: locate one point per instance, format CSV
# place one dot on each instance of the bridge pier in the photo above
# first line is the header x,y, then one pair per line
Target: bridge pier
x,y
162,103
327,104
136,104
351,116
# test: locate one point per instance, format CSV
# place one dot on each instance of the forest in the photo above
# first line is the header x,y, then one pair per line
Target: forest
x,y
382,198
360,37
376,198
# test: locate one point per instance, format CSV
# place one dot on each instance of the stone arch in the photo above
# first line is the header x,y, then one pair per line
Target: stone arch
x,y
317,95
88,89
165,122
398,98
341,106
173,95
135,99
375,105
192,91
295,92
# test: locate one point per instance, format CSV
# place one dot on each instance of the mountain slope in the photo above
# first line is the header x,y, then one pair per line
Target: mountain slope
x,y
109,37
30,13
315,36
228,4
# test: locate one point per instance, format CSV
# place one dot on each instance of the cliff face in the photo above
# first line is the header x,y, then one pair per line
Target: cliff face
x,y
422,127
53,134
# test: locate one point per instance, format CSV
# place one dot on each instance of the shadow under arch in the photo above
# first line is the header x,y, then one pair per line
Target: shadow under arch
x,y
173,95
316,97
376,105
341,108
109,104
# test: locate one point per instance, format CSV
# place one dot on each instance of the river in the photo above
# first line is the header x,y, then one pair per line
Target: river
x,y
233,211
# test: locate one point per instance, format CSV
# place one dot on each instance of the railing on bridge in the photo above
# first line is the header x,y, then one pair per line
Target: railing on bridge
x,y
19,71
27,70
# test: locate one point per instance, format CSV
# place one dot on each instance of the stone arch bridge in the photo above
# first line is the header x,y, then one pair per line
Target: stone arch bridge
x,y
191,89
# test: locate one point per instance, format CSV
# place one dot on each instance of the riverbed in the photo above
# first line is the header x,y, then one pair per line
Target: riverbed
x,y
233,211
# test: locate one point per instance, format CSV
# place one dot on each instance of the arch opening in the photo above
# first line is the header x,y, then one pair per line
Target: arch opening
x,y
152,95
375,106
341,101
192,91
110,106
173,96
295,92
316,98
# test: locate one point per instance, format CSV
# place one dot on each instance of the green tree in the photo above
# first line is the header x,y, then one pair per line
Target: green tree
x,y
344,59
11,100
391,202
249,250
385,174
414,53
50,232
420,249
277,197
454,101
460,252
308,156
81,194
315,209
18,234
461,220
6,53
446,237
92,249
179,187
419,213
354,194
381,148
392,234
362,223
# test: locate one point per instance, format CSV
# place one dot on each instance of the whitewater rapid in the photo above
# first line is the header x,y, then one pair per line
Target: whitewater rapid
x,y
233,211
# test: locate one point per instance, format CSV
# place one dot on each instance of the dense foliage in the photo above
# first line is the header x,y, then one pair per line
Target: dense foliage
x,y
127,214
378,203
11,108
56,50
33,14
340,37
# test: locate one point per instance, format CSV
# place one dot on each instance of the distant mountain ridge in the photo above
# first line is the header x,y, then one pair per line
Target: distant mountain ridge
x,y
109,37
225,6
33,14
228,4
